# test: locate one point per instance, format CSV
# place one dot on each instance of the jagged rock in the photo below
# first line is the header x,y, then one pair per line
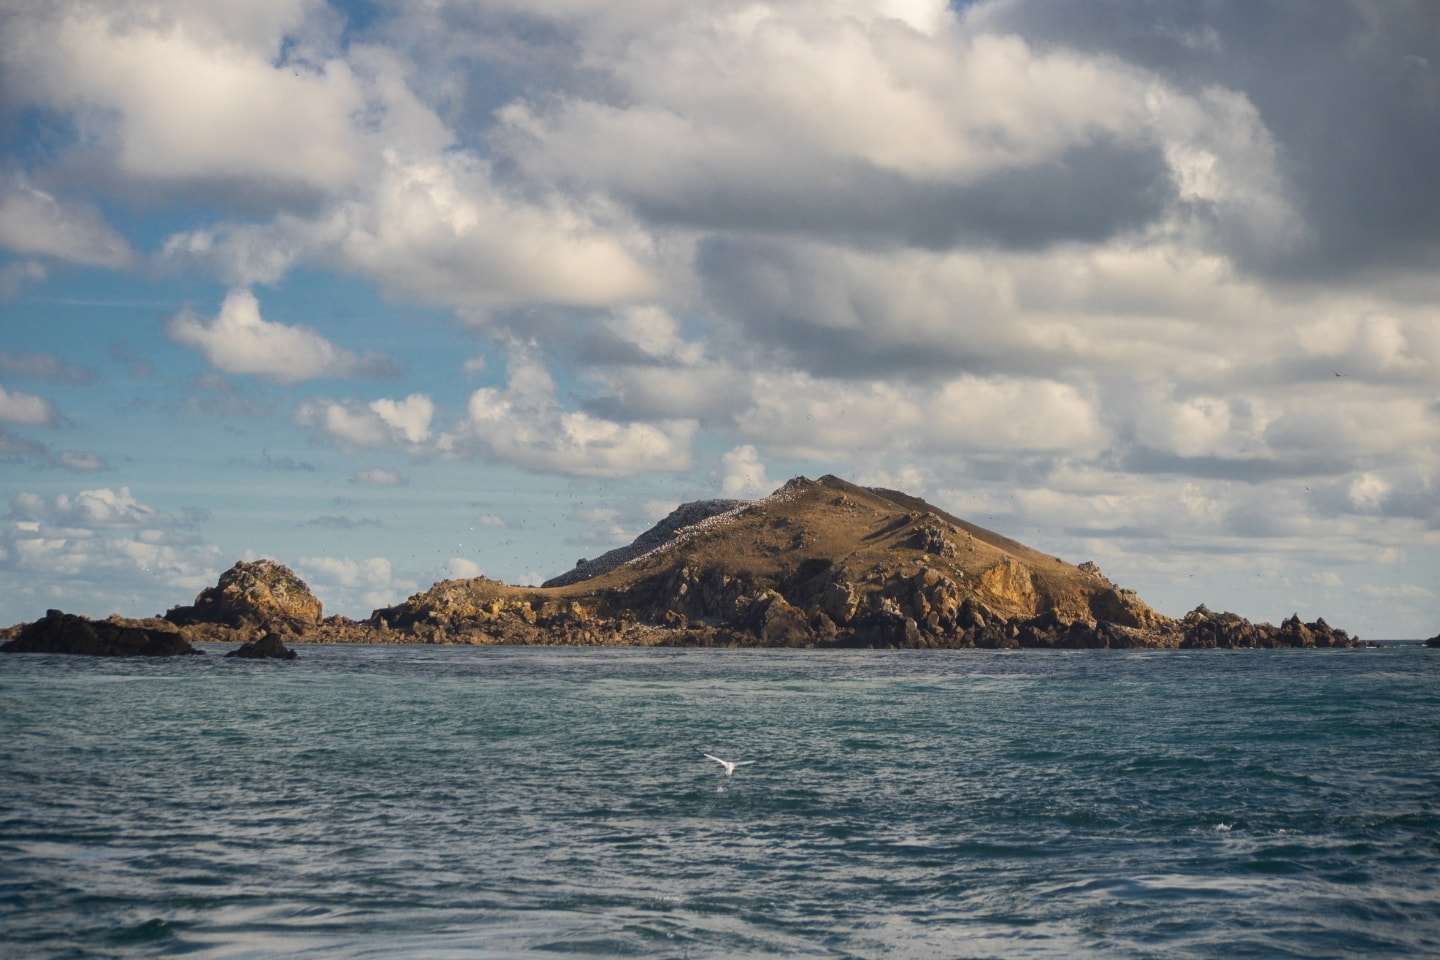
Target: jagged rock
x,y
1202,627
262,593
1433,641
839,602
931,538
886,627
268,647
776,623
113,637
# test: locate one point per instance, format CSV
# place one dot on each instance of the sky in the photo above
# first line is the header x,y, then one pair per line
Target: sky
x,y
397,292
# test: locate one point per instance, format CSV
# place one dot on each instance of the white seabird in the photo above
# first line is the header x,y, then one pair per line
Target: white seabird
x,y
729,765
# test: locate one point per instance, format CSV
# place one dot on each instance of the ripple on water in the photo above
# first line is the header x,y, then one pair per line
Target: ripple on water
x,y
492,802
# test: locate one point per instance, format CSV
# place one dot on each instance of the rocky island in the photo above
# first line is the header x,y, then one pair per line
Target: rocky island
x,y
818,563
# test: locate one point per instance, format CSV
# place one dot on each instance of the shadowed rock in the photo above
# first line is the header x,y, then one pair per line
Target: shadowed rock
x,y
113,637
268,647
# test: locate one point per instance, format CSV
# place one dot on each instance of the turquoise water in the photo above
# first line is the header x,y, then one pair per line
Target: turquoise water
x,y
496,802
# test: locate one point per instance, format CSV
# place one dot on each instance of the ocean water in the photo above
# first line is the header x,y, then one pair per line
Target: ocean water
x,y
504,802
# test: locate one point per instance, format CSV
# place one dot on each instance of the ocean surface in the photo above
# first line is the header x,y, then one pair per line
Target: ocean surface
x,y
504,802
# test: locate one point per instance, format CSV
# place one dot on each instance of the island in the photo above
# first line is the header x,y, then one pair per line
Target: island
x,y
819,563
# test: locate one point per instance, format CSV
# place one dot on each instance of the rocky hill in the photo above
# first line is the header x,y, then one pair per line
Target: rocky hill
x,y
818,563
823,563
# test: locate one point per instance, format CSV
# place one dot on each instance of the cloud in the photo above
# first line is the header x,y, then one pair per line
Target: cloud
x,y
459,568
379,477
525,425
26,409
830,420
840,122
44,366
35,223
16,275
98,551
82,461
744,474
177,92
240,341
380,423
344,583
1362,202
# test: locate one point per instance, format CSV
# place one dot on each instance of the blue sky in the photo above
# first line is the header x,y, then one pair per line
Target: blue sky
x,y
397,292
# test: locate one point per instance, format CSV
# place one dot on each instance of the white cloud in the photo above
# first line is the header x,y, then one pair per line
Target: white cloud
x,y
96,552
525,425
459,568
380,423
744,473
830,420
379,477
343,583
442,229
26,409
240,341
177,94
35,223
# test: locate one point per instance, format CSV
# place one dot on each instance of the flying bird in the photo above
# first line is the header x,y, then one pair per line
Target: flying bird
x,y
729,765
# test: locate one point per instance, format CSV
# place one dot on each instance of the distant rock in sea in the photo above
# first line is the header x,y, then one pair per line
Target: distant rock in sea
x,y
113,637
1433,641
268,647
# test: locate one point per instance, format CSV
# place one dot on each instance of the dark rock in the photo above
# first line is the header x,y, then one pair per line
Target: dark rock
x,y
113,637
1433,641
268,647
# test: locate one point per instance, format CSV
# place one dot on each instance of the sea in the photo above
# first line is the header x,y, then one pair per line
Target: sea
x,y
485,802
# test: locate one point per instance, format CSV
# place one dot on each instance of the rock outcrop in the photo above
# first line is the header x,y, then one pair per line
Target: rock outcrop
x,y
252,599
113,637
268,647
1433,641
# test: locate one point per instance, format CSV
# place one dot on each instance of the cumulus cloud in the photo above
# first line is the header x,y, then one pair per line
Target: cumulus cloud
x,y
380,423
26,409
176,91
239,340
744,473
524,424
99,551
344,583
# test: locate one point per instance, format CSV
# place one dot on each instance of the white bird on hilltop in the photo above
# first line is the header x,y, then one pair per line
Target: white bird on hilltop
x,y
729,765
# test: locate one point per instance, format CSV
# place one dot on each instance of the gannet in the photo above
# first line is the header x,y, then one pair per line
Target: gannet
x,y
729,765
